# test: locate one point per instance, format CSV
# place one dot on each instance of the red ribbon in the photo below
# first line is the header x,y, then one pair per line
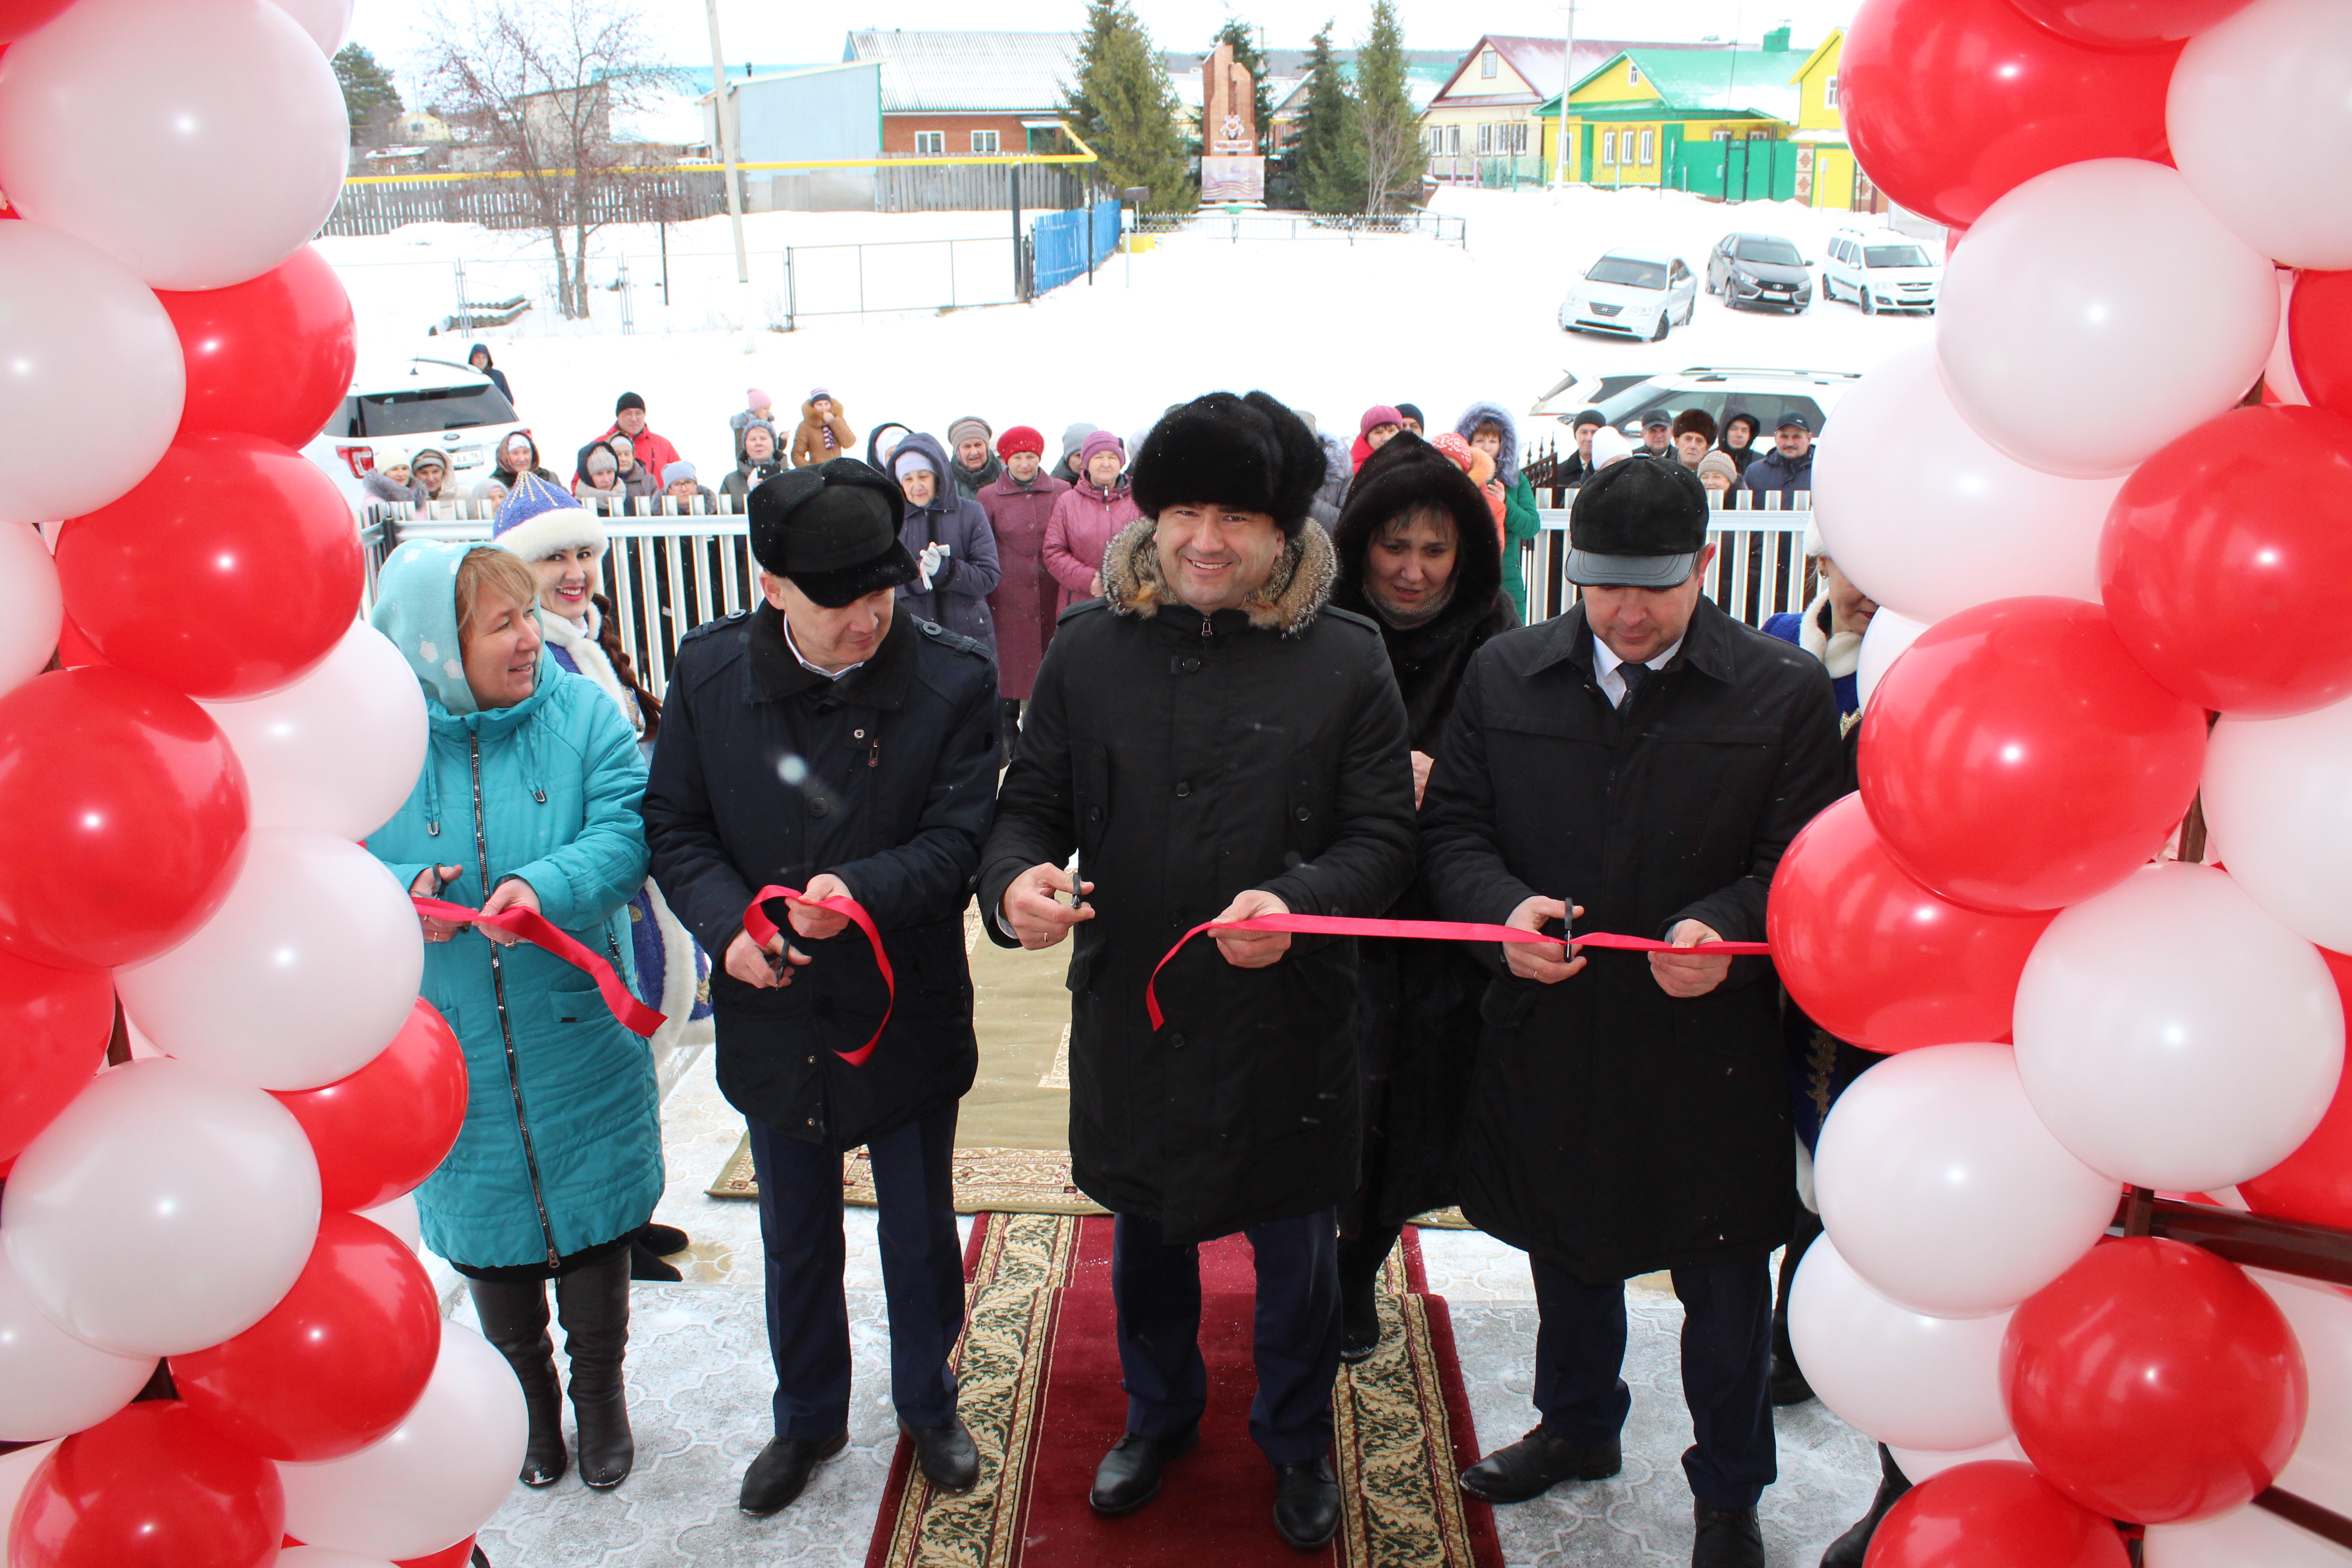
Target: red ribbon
x,y
1432,931
535,928
761,929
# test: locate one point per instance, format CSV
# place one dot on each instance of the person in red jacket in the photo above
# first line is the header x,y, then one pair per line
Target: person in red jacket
x,y
655,452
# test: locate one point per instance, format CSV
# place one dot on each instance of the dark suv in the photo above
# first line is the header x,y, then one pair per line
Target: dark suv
x,y
1761,270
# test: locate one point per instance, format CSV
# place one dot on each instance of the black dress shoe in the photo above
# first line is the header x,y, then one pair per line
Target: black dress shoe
x,y
946,1455
662,1240
1789,1385
1359,1325
1537,1463
1306,1503
1849,1550
782,1470
1727,1538
1128,1476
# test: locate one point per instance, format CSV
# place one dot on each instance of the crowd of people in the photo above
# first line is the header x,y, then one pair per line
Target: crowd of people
x,y
1244,669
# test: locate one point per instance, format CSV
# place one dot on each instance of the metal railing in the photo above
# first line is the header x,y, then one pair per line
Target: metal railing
x,y
1217,223
1760,570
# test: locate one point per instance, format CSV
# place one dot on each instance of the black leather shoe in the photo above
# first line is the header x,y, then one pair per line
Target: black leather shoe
x,y
1128,1476
1306,1503
663,1240
780,1472
1359,1324
593,1304
1789,1385
1727,1538
946,1455
1849,1550
1537,1463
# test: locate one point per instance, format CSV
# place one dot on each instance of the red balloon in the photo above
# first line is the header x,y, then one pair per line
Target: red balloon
x,y
1878,960
2154,1382
270,357
1995,1513
149,1487
456,1556
1950,103
2319,337
19,18
2221,560
54,1028
2314,1182
2015,758
126,816
228,571
336,1364
388,1126
2128,23
75,651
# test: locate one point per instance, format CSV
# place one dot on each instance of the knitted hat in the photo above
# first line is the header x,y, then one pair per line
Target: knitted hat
x,y
1250,453
1101,441
755,398
1455,447
817,392
600,460
1021,439
910,458
1378,415
681,469
1717,463
628,400
1587,417
743,436
538,519
970,427
1073,438
1412,411
832,530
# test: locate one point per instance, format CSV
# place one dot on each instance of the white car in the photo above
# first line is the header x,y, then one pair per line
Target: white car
x,y
1880,269
392,413
1720,391
1641,294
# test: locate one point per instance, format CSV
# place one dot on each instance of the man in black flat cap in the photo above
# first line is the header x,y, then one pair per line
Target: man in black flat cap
x,y
829,742
1640,763
1214,741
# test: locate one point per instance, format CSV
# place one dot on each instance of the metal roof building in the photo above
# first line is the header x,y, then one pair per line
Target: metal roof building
x,y
935,72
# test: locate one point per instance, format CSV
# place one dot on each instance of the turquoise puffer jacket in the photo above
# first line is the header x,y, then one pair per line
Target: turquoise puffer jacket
x,y
561,1146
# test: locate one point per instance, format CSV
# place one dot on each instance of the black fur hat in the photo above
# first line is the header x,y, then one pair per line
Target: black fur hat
x,y
833,530
1250,453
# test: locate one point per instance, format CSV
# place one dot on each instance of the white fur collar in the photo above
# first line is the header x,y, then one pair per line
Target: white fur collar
x,y
1839,652
589,655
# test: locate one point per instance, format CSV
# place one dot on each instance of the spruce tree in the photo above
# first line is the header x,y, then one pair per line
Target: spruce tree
x,y
1124,106
1243,38
369,97
1329,156
1390,130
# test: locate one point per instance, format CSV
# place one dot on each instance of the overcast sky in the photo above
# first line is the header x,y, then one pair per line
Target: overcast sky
x,y
772,33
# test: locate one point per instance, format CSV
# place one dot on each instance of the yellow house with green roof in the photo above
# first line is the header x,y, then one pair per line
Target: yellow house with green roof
x,y
1827,175
1631,121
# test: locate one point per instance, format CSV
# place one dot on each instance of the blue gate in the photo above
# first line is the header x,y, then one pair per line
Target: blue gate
x,y
1065,245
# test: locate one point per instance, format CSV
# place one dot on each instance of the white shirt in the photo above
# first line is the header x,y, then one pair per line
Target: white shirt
x,y
1604,670
828,674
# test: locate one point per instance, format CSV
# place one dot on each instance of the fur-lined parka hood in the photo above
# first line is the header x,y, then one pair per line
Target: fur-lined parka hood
x,y
1287,603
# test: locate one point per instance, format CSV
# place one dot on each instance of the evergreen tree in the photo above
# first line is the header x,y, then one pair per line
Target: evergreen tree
x,y
1390,130
1243,38
369,97
1124,106
1330,151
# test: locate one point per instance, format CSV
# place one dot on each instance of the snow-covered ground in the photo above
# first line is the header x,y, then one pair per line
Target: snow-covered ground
x,y
1326,325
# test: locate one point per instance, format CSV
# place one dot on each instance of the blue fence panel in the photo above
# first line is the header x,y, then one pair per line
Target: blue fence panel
x,y
1061,242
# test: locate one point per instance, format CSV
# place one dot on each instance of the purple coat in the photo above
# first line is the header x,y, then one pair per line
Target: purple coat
x,y
1027,599
1083,523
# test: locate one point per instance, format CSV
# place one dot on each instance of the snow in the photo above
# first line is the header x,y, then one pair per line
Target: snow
x,y
1326,325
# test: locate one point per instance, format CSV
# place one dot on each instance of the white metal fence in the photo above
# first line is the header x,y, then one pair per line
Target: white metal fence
x,y
1759,569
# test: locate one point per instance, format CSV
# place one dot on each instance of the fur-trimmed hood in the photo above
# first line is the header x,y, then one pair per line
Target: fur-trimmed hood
x,y
1406,474
1287,603
1507,461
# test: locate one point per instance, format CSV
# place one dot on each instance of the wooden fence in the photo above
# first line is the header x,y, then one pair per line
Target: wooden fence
x,y
496,202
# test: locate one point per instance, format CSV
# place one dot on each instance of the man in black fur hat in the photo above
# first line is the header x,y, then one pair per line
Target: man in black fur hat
x,y
1214,743
830,742
1640,763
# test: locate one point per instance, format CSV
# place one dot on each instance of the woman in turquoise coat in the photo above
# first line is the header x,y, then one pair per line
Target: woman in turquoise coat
x,y
529,798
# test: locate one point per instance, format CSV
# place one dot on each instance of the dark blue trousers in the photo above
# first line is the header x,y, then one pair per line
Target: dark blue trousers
x,y
1157,1290
922,1273
1727,1369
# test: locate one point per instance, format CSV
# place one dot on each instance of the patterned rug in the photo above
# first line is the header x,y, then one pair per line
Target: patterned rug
x,y
1039,1391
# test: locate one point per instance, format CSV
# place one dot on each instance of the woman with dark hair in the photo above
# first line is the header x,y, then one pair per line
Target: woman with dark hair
x,y
1419,554
1738,441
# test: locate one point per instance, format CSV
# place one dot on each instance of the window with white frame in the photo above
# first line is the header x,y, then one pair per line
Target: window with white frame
x,y
1648,146
1609,146
1829,92
1633,72
1486,138
931,143
984,142
1487,65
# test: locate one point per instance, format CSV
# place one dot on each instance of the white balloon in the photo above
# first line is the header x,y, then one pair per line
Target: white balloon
x,y
1918,1464
93,380
2321,1468
1904,1378
328,1557
167,1209
2174,1036
2250,1537
17,1468
2063,332
2279,373
1946,1192
399,1217
437,1479
339,750
1882,643
326,21
1928,517
2277,74
31,606
201,145
2278,806
308,970
52,1385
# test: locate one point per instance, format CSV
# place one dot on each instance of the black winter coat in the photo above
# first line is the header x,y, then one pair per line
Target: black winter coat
x,y
1186,761
1614,1128
767,772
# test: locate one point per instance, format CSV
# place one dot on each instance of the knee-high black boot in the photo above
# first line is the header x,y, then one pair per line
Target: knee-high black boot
x,y
593,1304
1789,1385
1360,1257
514,1319
1849,1550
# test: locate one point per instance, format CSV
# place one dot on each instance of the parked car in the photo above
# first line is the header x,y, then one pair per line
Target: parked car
x,y
1765,393
392,412
1880,269
1640,293
1760,269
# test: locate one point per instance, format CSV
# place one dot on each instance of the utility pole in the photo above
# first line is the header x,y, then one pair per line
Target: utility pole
x,y
720,94
1567,81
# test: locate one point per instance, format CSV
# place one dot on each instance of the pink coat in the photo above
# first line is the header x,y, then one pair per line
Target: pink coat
x,y
1027,597
1083,523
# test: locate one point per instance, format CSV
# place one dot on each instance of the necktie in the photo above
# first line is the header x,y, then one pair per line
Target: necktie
x,y
1633,674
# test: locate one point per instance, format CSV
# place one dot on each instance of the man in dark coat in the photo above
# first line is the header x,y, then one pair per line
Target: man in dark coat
x,y
1214,743
829,741
1646,760
1788,468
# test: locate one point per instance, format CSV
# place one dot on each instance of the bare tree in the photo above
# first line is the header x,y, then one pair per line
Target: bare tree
x,y
543,78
